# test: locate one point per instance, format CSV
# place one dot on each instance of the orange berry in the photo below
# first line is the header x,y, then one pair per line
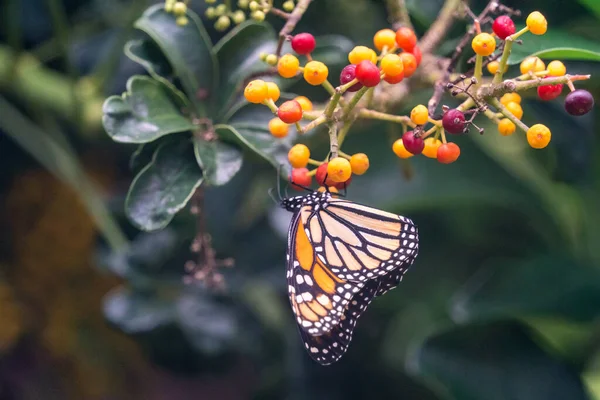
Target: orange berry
x,y
273,91
298,155
556,68
278,128
483,44
494,66
419,115
410,63
406,38
416,51
288,66
508,97
394,79
536,22
384,38
532,64
256,91
515,109
392,65
399,149
359,163
361,53
506,127
538,136
339,169
305,103
431,147
290,112
315,72
448,153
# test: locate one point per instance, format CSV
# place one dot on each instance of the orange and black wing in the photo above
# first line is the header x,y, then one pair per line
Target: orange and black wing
x,y
359,243
318,297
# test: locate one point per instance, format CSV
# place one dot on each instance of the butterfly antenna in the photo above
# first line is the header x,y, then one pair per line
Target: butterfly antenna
x,y
272,196
279,181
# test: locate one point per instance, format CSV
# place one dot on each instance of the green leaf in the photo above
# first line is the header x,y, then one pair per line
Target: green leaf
x,y
188,49
143,114
147,53
219,161
163,187
137,312
494,362
555,45
549,285
592,5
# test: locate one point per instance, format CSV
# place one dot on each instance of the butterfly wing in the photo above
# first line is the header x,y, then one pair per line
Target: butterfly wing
x,y
357,242
317,296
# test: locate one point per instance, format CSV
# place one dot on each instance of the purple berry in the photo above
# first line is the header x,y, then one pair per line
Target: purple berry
x,y
579,102
454,121
347,75
412,144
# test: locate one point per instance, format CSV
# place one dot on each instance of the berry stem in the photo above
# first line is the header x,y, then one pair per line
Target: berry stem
x,y
430,131
355,99
508,86
398,13
290,24
344,131
443,133
271,104
531,75
372,114
314,162
500,107
333,139
329,87
441,25
313,124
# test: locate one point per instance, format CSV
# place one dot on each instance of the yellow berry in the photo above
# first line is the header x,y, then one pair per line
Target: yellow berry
x,y
515,109
169,5
431,147
278,128
506,127
181,21
288,6
510,97
315,72
222,23
258,16
221,9
483,44
494,66
288,65
399,149
238,17
305,103
392,65
256,91
253,6
532,64
271,59
298,156
273,91
419,115
537,23
179,8
538,136
556,68
361,53
339,169
384,38
359,163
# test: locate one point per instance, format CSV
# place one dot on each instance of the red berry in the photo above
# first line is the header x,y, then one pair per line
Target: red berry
x,y
417,53
322,173
454,121
579,102
448,153
301,177
290,112
549,92
303,43
503,27
348,74
412,144
394,79
367,73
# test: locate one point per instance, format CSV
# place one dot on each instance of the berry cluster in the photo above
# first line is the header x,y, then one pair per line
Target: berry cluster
x,y
395,57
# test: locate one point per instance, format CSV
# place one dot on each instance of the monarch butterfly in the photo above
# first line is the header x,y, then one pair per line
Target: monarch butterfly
x,y
340,256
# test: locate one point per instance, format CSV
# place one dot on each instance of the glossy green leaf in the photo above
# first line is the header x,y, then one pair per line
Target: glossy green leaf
x,y
188,49
555,45
147,53
137,312
219,161
494,362
549,285
164,186
143,114
592,5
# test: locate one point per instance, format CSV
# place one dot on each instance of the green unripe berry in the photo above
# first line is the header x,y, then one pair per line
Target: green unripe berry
x,y
271,59
222,23
238,17
221,9
181,20
210,13
263,56
179,8
253,6
258,16
210,1
288,6
243,3
169,5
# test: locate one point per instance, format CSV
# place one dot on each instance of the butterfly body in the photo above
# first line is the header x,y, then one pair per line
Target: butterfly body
x,y
340,256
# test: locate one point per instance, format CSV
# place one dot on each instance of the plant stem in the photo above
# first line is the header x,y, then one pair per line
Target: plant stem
x,y
398,13
333,139
500,107
372,114
478,69
440,27
290,24
509,86
329,87
313,124
355,99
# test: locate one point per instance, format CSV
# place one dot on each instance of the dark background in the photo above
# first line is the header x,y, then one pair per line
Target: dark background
x,y
500,304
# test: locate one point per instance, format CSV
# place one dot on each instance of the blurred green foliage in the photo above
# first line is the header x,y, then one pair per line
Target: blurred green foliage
x,y
501,303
